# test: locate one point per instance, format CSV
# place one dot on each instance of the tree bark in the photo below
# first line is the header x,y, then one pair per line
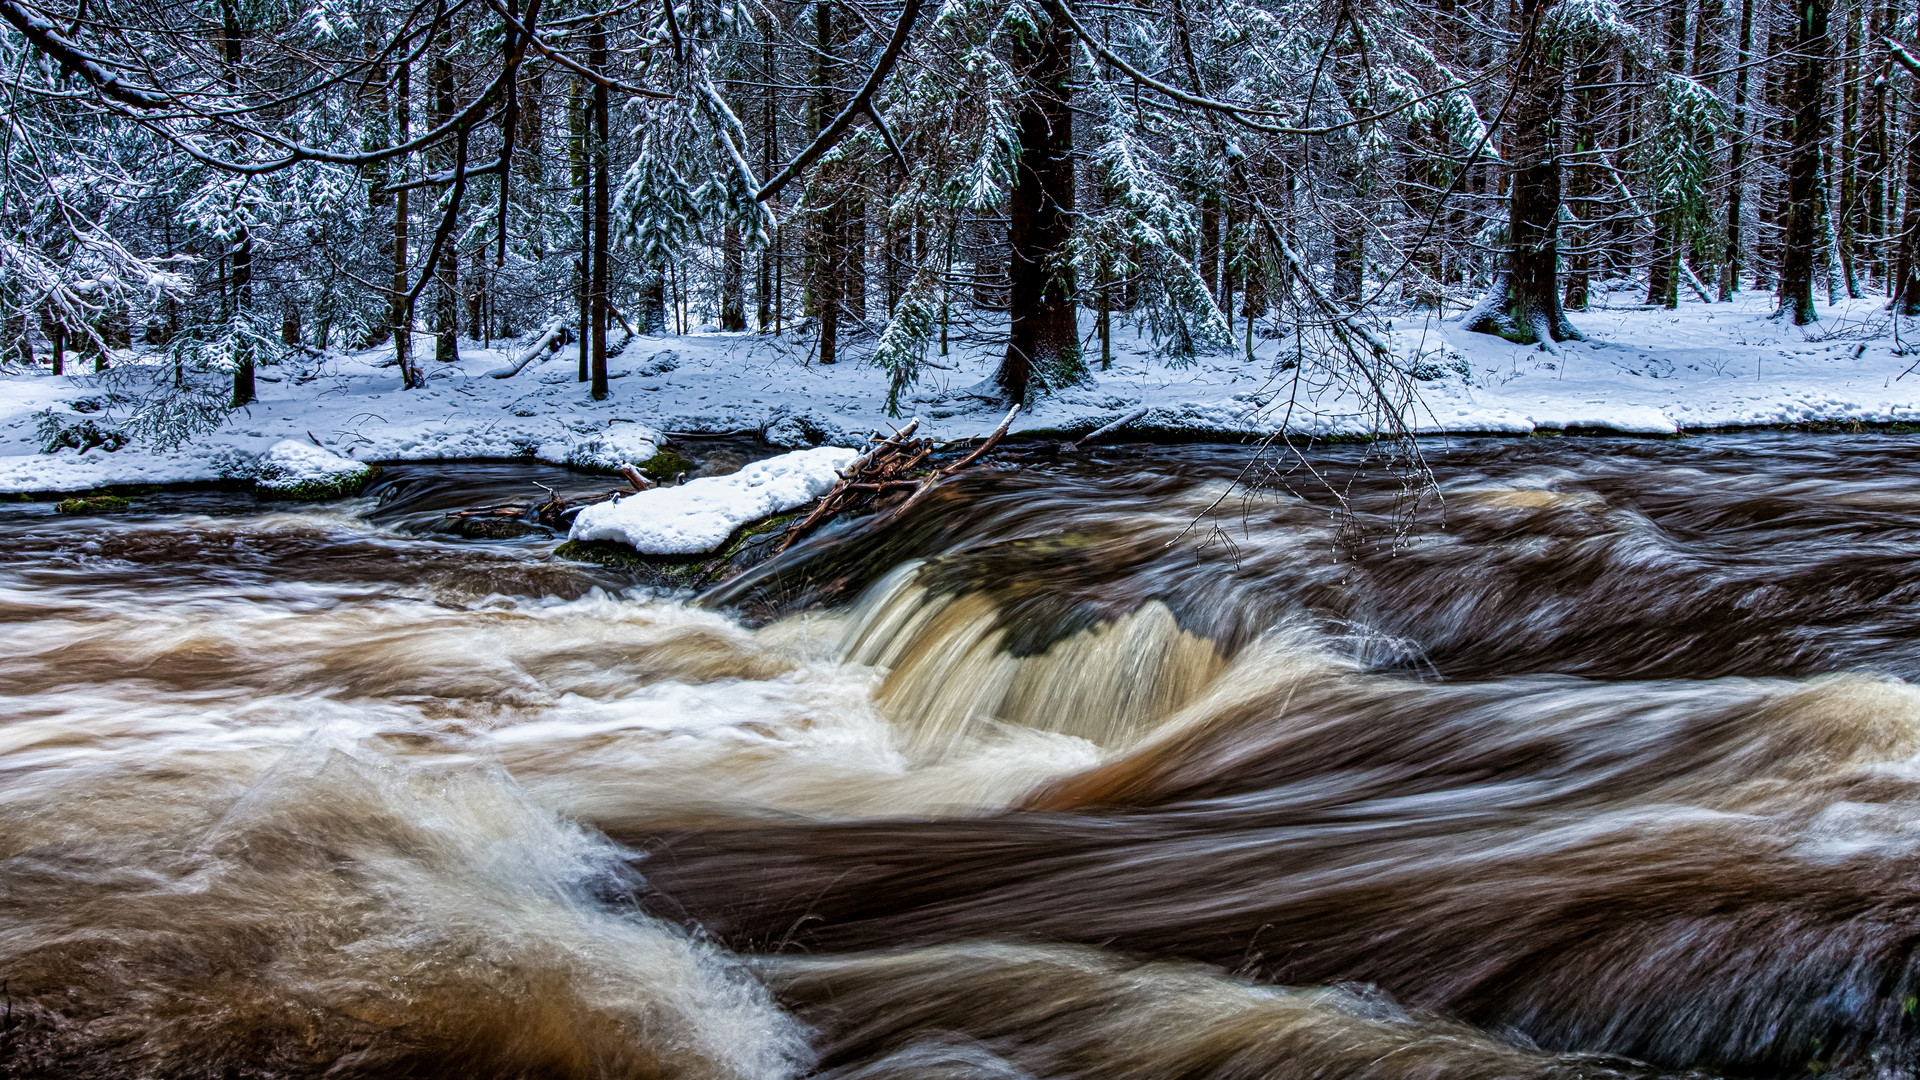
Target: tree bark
x,y
733,298
1663,275
400,309
1043,341
446,286
1906,297
243,385
1583,185
597,53
1803,232
1523,304
1737,158
579,136
829,254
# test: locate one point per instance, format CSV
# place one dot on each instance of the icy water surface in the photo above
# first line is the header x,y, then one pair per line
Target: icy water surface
x,y
1089,768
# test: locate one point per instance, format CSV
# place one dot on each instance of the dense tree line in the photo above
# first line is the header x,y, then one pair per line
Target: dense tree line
x,y
232,180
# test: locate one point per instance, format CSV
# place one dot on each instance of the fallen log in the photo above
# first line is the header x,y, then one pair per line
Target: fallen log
x,y
1107,429
550,340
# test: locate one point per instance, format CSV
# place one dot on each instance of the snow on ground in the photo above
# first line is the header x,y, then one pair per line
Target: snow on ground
x,y
699,515
1652,371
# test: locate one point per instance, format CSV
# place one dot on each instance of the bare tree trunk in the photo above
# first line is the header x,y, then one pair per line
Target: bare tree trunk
x,y
1737,158
829,278
1663,273
1803,234
1847,220
597,53
401,310
446,299
1873,154
1906,298
1583,185
1043,342
580,135
1523,303
243,386
769,137
733,300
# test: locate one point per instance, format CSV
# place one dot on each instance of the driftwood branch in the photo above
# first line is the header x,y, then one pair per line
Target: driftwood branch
x,y
1104,430
927,485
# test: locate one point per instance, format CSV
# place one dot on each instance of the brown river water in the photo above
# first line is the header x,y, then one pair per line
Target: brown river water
x,y
1089,767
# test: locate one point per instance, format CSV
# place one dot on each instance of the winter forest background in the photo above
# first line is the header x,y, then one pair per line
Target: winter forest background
x,y
231,182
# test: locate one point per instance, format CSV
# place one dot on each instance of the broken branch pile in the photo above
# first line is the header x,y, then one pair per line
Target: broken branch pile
x,y
898,462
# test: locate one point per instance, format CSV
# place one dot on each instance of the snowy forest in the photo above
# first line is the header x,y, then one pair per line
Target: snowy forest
x,y
231,182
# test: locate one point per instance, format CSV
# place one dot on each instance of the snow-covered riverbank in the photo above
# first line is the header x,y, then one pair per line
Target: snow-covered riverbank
x,y
1645,371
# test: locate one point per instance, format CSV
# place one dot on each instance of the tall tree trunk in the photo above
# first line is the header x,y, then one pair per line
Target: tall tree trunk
x,y
243,386
733,298
597,53
580,136
1906,297
829,254
1523,303
1772,214
1043,341
1803,233
1663,273
1873,152
446,296
1737,158
532,151
400,311
1210,242
769,138
1848,218
1583,178
1708,252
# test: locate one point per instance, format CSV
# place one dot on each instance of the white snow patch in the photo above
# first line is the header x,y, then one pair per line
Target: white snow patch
x,y
290,463
699,515
620,444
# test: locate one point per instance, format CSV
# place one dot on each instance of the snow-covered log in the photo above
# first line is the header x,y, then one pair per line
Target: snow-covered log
x,y
550,340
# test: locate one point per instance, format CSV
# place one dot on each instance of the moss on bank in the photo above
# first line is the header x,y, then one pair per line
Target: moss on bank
x,y
342,486
97,504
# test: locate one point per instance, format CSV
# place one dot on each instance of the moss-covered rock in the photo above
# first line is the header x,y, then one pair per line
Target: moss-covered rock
x,y
338,487
664,465
97,504
291,469
749,545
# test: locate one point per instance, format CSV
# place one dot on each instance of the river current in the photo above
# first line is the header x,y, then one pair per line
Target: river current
x,y
1597,759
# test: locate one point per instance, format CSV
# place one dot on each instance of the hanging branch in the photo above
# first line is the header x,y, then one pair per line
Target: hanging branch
x,y
833,132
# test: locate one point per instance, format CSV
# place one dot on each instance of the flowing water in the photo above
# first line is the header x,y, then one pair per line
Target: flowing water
x,y
1088,767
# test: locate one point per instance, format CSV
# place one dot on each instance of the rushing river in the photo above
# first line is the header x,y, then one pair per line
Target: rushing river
x,y
1597,762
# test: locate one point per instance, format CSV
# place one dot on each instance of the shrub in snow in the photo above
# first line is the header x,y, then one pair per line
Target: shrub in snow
x,y
621,444
296,470
59,431
700,515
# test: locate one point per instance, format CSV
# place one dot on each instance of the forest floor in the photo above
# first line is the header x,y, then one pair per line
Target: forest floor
x,y
1704,366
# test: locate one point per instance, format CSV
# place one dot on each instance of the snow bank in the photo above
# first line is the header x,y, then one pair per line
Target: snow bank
x,y
699,515
299,470
1699,367
620,444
